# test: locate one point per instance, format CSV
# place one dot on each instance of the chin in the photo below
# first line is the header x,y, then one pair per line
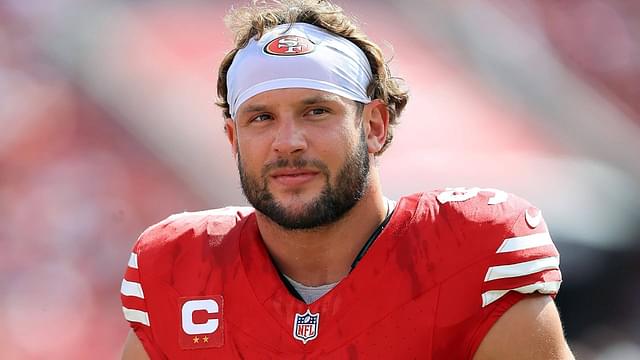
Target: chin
x,y
298,199
295,208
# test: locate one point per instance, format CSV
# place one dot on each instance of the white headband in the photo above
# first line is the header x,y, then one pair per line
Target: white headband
x,y
298,55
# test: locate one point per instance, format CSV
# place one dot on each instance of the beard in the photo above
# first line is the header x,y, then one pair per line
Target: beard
x,y
333,202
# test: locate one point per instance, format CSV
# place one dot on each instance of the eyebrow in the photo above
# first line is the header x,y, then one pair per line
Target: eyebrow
x,y
305,101
253,108
320,98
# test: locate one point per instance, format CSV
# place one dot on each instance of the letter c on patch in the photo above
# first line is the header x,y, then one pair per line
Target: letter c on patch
x,y
191,306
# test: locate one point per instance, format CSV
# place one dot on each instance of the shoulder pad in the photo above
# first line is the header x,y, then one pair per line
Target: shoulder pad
x,y
181,241
214,222
504,237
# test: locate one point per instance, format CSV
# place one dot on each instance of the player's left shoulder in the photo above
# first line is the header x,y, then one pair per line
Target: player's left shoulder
x,y
485,218
488,207
485,229
503,236
493,249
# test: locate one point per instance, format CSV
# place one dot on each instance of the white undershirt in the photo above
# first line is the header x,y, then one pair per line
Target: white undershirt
x,y
310,293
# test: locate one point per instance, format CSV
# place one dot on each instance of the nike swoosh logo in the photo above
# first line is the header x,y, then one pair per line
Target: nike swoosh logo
x,y
533,221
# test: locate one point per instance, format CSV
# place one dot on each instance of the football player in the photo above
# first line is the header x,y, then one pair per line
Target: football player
x,y
323,265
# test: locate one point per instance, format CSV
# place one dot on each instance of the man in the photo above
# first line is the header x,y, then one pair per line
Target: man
x,y
326,266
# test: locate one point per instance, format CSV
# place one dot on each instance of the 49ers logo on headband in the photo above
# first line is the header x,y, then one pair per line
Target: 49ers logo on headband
x,y
289,45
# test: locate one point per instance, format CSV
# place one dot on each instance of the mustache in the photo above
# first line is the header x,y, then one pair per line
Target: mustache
x,y
297,163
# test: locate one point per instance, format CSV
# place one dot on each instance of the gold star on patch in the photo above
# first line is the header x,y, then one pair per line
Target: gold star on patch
x,y
196,340
205,339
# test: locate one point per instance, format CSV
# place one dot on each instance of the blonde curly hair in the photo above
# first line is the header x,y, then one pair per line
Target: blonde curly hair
x,y
252,21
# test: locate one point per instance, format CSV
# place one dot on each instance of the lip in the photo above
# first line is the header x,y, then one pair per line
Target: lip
x,y
293,177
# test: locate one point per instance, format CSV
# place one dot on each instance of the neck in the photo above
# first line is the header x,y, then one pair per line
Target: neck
x,y
324,255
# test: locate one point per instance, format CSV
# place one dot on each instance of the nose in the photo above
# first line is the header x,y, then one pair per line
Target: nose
x,y
290,137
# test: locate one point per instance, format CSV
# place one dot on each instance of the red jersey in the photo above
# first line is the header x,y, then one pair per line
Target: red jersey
x,y
444,269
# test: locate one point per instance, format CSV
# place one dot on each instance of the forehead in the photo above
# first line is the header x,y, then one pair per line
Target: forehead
x,y
291,97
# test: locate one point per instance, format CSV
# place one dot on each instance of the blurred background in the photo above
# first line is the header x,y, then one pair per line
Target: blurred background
x,y
108,124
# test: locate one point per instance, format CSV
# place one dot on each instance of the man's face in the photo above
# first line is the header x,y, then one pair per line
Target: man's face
x,y
302,156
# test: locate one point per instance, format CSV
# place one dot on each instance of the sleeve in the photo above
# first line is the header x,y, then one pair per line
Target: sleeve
x,y
525,262
508,255
134,305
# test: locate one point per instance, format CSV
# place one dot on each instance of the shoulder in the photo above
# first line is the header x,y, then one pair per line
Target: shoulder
x,y
187,226
487,249
493,238
181,240
170,258
481,209
475,221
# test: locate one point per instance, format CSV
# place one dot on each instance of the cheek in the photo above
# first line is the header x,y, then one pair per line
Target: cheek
x,y
251,157
337,147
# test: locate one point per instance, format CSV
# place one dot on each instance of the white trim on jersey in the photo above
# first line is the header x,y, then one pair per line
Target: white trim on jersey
x,y
130,288
138,316
521,269
550,287
133,261
525,242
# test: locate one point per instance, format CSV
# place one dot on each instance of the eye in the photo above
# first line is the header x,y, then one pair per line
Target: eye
x,y
317,111
261,118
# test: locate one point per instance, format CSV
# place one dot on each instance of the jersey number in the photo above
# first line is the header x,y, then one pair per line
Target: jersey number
x,y
463,194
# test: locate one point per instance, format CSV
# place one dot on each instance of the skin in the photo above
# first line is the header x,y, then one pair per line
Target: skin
x,y
133,349
530,330
315,125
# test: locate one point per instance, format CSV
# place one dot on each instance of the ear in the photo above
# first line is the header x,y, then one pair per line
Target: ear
x,y
375,117
232,135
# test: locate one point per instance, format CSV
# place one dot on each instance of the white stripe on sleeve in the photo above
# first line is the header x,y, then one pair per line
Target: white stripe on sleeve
x,y
130,288
136,316
521,269
525,242
550,287
133,261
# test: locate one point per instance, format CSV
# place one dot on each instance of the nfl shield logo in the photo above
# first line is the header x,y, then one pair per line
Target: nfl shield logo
x,y
305,326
